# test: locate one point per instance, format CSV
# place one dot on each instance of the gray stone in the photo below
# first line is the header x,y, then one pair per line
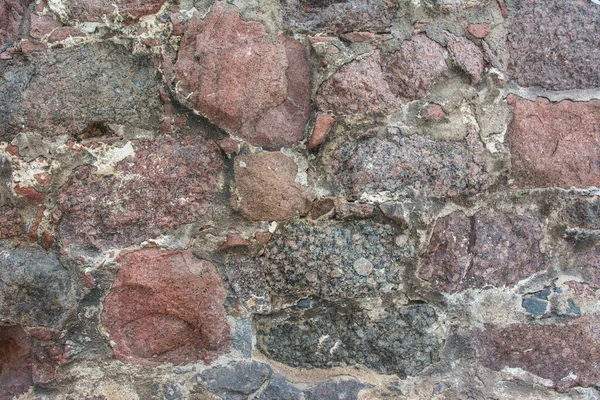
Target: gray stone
x,y
247,279
335,389
280,389
534,306
235,381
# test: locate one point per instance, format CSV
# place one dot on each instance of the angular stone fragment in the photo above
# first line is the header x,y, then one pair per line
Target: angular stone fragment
x,y
412,70
95,10
467,56
247,279
566,353
357,87
166,307
432,111
320,259
323,123
235,381
229,70
398,342
11,223
404,165
338,17
489,249
64,91
334,389
15,362
267,189
479,30
35,289
555,44
168,183
555,144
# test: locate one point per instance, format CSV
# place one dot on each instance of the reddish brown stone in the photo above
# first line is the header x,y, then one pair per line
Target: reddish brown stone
x,y
166,307
262,237
230,71
11,12
43,178
357,87
28,46
234,240
323,123
12,150
358,37
322,208
412,70
42,26
267,189
489,249
64,33
46,360
354,210
551,351
47,240
467,56
432,111
229,145
11,223
15,362
166,184
30,194
94,10
555,144
479,30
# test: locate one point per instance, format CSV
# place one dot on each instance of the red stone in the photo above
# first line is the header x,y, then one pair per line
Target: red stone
x,y
354,210
234,240
42,26
94,10
229,145
30,194
323,123
11,223
15,362
266,187
432,111
46,360
166,307
479,30
262,237
412,70
467,56
43,178
357,87
551,351
229,70
555,144
64,33
12,150
28,46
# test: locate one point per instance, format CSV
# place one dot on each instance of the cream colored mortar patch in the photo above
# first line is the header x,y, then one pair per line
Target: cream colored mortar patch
x,y
108,157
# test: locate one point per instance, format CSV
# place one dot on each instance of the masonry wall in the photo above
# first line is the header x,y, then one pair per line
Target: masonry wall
x,y
299,199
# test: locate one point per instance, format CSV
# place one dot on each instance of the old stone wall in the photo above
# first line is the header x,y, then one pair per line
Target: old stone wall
x,y
299,199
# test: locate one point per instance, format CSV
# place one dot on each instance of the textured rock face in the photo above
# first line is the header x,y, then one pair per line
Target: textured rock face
x,y
555,144
487,249
15,362
335,389
267,189
357,88
335,260
247,279
11,12
94,10
35,289
325,339
230,71
555,44
166,177
467,56
412,70
407,164
67,90
566,353
11,223
235,381
181,318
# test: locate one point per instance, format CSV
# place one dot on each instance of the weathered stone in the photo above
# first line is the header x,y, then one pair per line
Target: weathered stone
x,y
64,33
235,381
35,289
11,13
479,31
357,87
128,10
354,210
230,71
30,194
583,213
555,144
266,187
280,389
339,16
397,342
335,389
590,265
412,70
322,208
555,44
454,6
234,240
489,249
319,259
566,353
46,360
467,56
432,111
172,182
181,318
42,26
11,223
405,165
323,123
15,362
64,91
247,279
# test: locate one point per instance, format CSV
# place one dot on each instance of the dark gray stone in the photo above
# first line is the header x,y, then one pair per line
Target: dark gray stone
x,y
399,342
535,306
280,389
572,308
235,381
335,389
247,279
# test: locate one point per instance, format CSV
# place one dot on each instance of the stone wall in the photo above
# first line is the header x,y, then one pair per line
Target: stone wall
x,y
299,199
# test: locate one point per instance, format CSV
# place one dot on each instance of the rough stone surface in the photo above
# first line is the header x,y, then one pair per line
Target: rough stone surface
x,y
413,70
11,13
467,56
555,44
567,353
64,91
398,343
15,362
334,389
583,213
479,30
235,381
489,249
432,111
35,289
323,123
11,223
167,176
280,389
247,279
339,16
320,259
266,187
181,318
357,87
555,144
217,57
407,164
95,10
